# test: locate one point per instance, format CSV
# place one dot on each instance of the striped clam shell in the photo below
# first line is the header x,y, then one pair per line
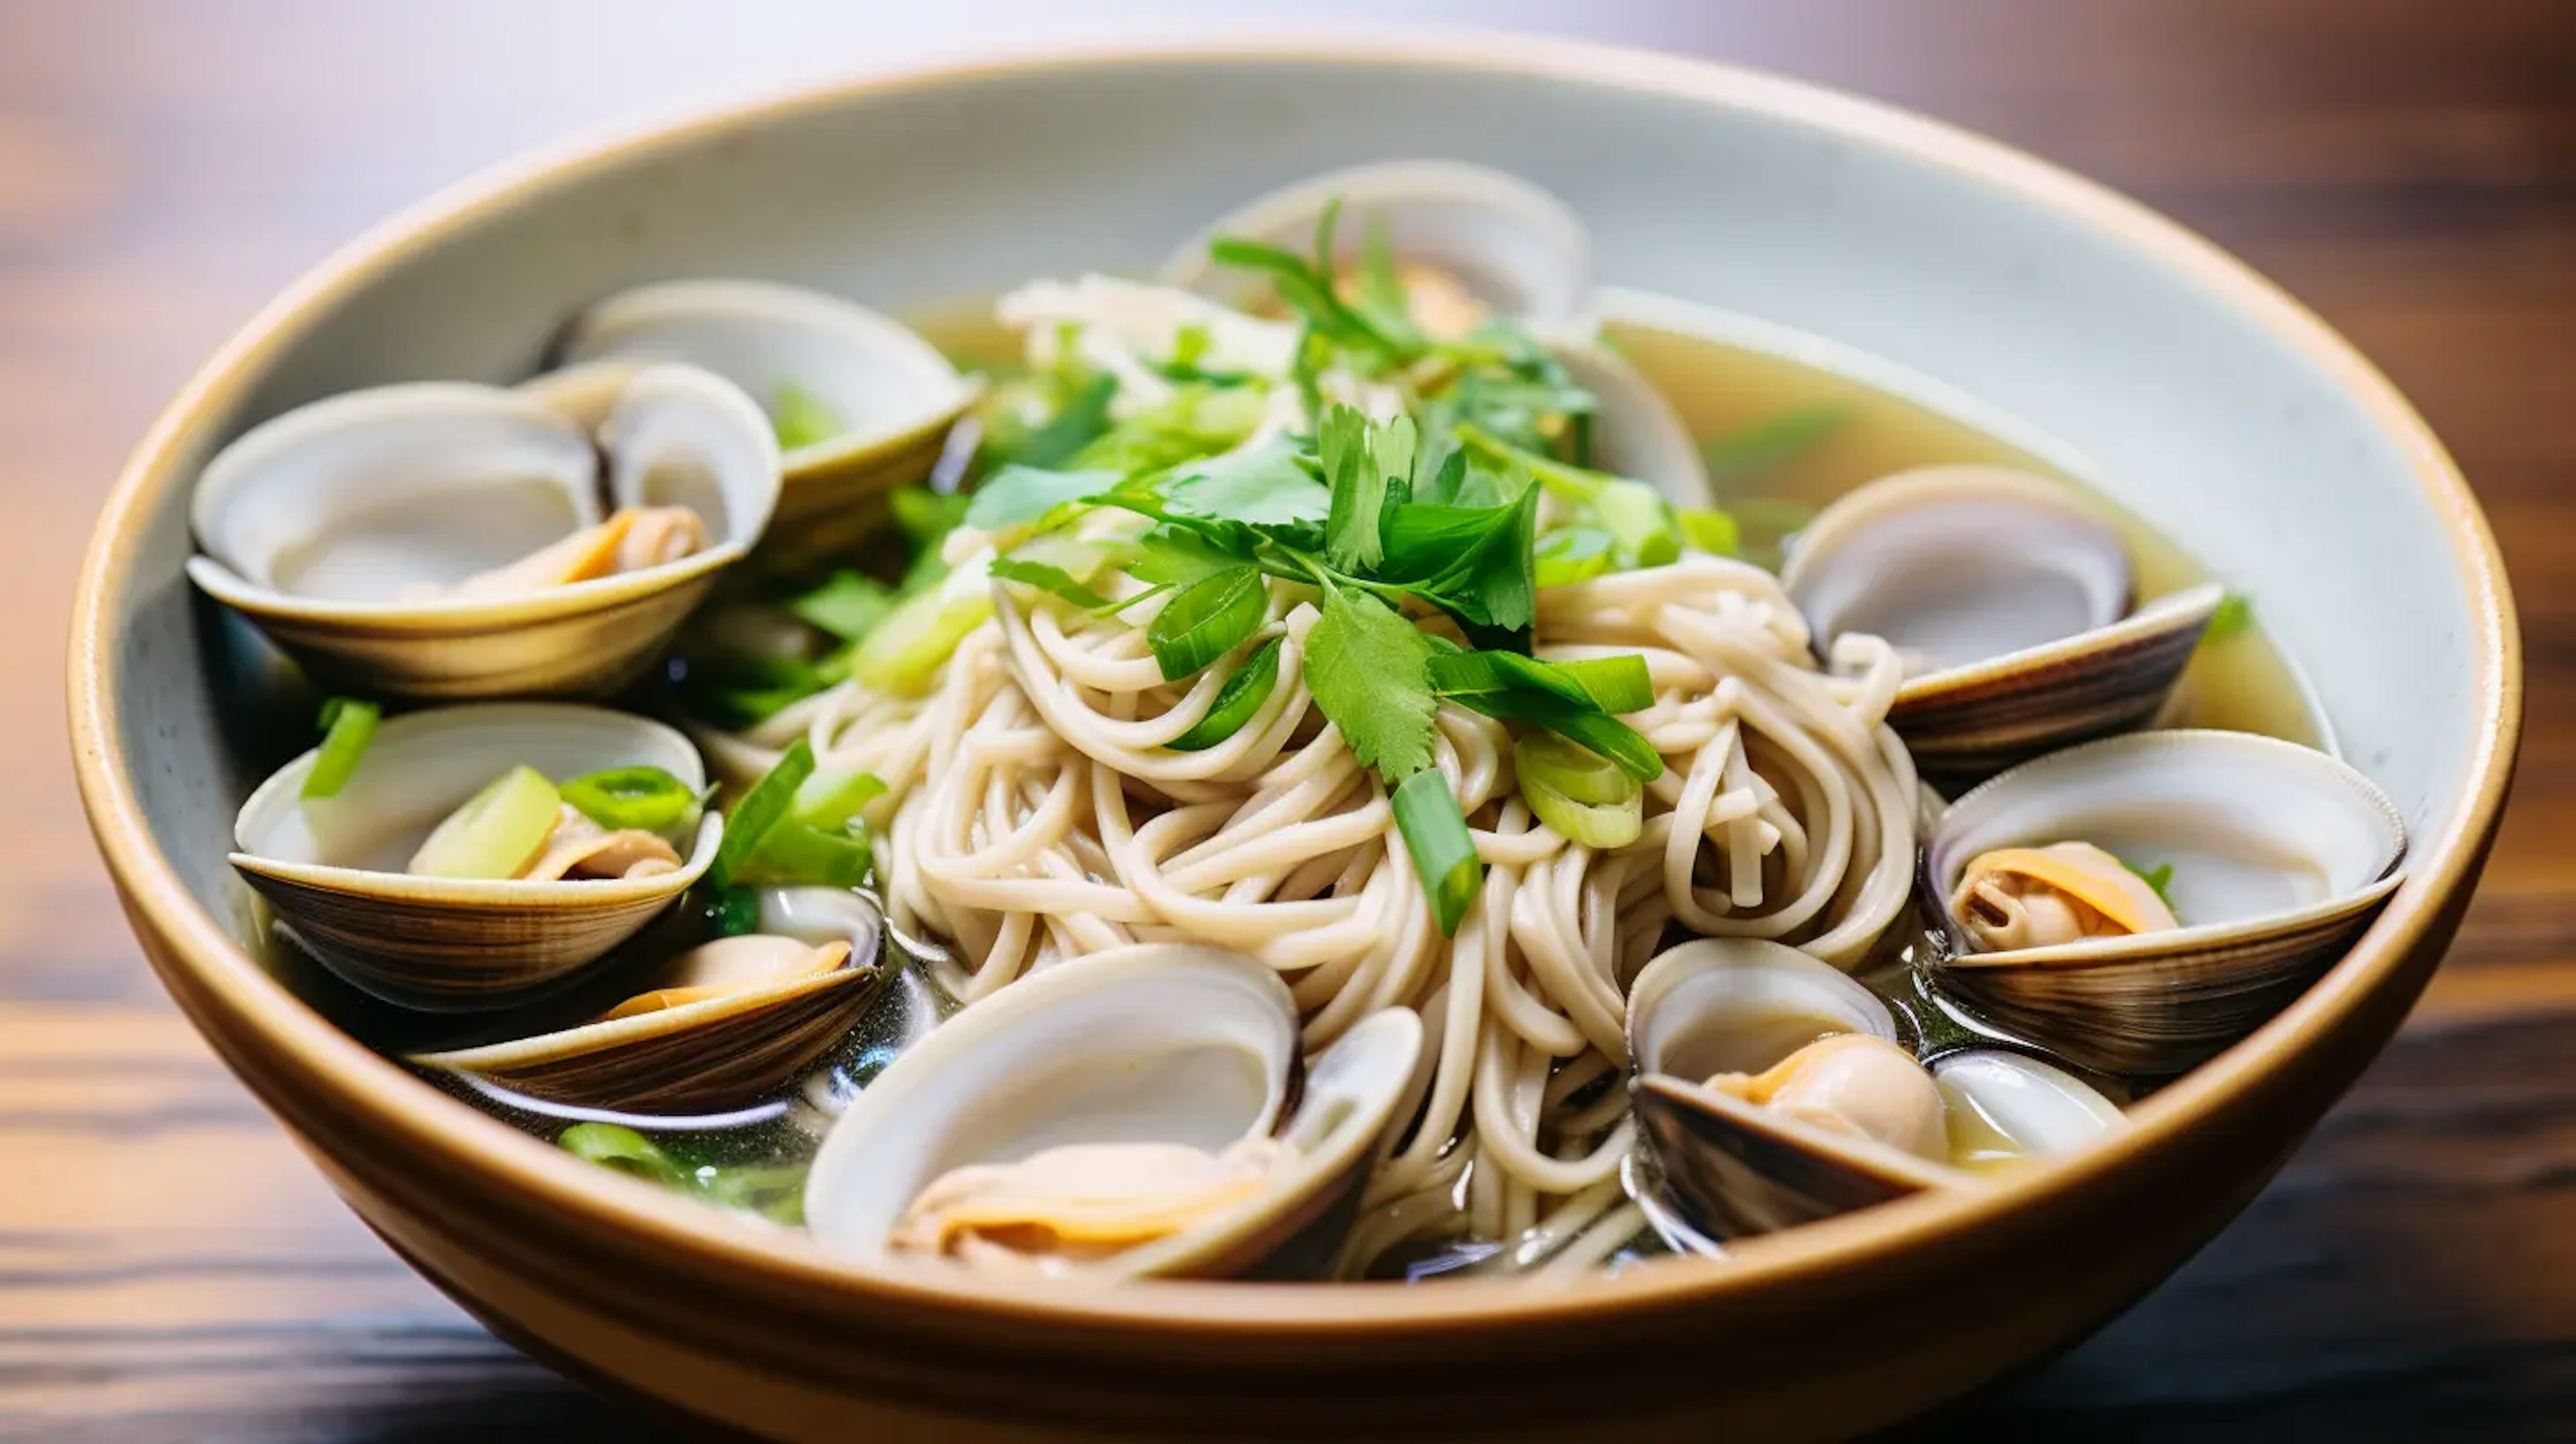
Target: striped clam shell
x,y
1730,1168
316,523
331,867
716,1053
895,394
2281,856
2014,595
1161,1042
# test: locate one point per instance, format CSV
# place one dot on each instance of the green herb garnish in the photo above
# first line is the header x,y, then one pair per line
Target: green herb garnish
x,y
1051,579
347,726
1207,619
762,808
648,799
801,418
1444,852
1237,701
2159,880
776,1191
2233,618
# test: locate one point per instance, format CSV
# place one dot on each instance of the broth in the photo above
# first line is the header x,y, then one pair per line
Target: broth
x,y
1784,439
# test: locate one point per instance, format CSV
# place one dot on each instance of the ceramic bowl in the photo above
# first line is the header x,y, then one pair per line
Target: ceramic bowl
x,y
1851,235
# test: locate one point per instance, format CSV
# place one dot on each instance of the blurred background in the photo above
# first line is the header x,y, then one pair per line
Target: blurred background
x,y
169,1268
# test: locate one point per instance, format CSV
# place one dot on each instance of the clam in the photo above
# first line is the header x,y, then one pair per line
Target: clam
x,y
2010,599
1139,1112
1466,240
861,404
334,868
2278,856
1772,1091
448,541
717,1026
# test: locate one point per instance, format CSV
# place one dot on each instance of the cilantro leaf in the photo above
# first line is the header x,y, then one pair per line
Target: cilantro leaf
x,y
1195,421
1177,556
1047,577
1474,562
2233,618
1360,487
1258,485
1076,423
1368,669
1583,725
2159,880
1020,493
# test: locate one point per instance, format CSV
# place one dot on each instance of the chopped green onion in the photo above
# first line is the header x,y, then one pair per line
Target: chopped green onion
x,y
2233,618
832,798
645,798
776,1190
1586,798
1710,530
347,726
800,853
846,604
623,1149
1207,619
497,832
801,418
1640,521
1444,852
1236,702
761,809
1604,684
1576,554
906,650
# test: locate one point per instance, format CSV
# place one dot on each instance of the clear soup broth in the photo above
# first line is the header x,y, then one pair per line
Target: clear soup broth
x,y
1782,438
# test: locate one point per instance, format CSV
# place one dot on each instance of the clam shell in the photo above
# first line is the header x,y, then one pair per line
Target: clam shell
x,y
1513,246
331,867
713,1054
2033,1106
2014,595
1635,431
2281,856
314,522
895,393
1160,1042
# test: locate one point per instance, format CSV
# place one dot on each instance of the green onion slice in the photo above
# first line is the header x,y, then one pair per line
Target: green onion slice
x,y
903,652
1236,702
347,726
1640,521
1585,797
1207,619
647,799
497,832
761,809
1710,530
1603,684
831,798
1444,852
623,1149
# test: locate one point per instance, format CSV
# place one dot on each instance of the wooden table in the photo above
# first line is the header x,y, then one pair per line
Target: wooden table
x,y
170,1268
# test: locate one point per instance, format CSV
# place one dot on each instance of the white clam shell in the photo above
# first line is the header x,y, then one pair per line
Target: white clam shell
x,y
2037,1107
894,394
2280,856
1515,247
332,867
1155,1043
317,523
2010,595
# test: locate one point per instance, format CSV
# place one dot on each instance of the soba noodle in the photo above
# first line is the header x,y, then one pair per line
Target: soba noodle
x,y
1037,816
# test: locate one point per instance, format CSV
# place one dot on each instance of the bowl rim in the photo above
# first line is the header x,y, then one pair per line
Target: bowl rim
x,y
503,1162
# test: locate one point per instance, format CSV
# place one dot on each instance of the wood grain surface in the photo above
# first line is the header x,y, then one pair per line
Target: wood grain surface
x,y
170,1268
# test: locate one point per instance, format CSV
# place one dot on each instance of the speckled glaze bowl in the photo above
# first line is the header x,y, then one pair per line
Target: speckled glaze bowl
x,y
1850,235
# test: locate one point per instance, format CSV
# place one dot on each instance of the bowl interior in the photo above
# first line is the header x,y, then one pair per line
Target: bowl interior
x,y
1829,230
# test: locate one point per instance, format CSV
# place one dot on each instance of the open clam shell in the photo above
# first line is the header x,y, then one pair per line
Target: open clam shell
x,y
332,867
1159,1044
1635,431
324,524
2011,599
721,1025
1732,1167
890,395
1509,246
2281,855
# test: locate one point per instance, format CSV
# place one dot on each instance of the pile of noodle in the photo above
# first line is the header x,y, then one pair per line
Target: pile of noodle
x,y
1037,817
